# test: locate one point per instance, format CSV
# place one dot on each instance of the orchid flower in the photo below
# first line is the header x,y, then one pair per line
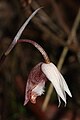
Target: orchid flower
x,y
36,82
42,72
39,75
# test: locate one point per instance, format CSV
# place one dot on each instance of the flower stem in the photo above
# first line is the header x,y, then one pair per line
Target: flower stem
x,y
44,54
62,58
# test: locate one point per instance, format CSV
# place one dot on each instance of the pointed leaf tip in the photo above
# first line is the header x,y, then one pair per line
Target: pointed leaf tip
x,y
20,31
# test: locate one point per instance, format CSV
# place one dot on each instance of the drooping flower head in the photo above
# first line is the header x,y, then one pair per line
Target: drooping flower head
x,y
40,73
37,78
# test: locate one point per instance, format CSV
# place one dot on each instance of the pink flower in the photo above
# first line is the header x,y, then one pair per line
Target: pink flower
x,y
36,82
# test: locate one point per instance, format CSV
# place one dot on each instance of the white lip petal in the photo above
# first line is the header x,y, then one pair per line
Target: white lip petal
x,y
53,75
39,89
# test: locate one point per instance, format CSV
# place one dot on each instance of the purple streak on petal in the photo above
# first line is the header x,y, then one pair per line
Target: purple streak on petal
x,y
35,77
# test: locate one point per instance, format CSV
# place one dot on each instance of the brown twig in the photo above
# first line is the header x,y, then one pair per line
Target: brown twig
x,y
51,35
60,17
45,29
38,21
62,58
45,18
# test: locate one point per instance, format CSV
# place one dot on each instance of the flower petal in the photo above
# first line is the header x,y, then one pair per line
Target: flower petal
x,y
39,89
51,72
35,83
26,101
65,86
59,101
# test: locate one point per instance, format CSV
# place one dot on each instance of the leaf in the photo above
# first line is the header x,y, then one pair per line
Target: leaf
x,y
20,32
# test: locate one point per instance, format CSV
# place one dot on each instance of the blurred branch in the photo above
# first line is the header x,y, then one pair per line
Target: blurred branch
x,y
48,32
71,4
45,18
60,17
44,28
61,20
62,58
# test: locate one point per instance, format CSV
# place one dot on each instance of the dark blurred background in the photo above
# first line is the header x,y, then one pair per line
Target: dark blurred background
x,y
50,28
